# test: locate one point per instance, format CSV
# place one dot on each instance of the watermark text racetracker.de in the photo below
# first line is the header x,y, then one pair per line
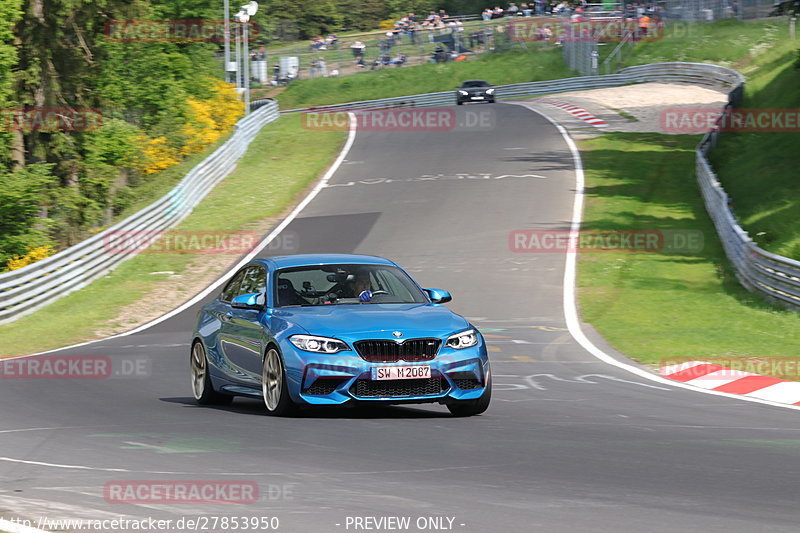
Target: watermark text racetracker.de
x,y
192,242
733,367
432,119
688,120
184,523
76,367
639,240
39,118
170,31
175,492
603,30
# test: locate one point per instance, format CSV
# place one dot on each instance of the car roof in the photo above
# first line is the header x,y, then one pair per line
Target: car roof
x,y
474,81
288,261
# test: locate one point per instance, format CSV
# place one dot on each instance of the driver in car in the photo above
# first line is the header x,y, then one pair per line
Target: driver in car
x,y
362,287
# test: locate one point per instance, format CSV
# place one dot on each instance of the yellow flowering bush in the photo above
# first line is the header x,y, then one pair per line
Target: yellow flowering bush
x,y
32,255
206,121
210,119
155,154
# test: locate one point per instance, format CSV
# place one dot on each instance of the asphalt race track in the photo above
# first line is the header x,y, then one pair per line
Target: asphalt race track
x,y
568,444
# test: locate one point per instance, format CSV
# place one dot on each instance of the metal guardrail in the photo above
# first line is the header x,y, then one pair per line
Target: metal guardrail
x,y
758,270
695,73
29,288
776,276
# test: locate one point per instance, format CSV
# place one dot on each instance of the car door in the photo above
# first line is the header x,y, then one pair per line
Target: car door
x,y
241,333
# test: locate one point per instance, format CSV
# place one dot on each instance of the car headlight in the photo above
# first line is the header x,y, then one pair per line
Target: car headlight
x,y
489,91
463,93
465,339
311,343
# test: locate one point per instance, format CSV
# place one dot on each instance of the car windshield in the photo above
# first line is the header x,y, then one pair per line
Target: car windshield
x,y
345,284
475,83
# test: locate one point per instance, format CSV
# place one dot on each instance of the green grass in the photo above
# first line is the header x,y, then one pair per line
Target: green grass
x,y
729,43
759,169
665,307
538,63
276,169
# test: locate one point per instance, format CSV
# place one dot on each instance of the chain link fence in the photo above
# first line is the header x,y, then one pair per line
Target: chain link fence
x,y
713,10
381,50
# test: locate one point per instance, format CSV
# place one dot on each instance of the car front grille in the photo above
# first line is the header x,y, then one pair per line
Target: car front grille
x,y
388,351
366,388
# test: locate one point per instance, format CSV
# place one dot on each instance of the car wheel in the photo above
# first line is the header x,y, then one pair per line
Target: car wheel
x,y
472,407
202,389
459,102
273,385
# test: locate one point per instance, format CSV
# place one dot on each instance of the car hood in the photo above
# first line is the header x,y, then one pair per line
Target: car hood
x,y
375,320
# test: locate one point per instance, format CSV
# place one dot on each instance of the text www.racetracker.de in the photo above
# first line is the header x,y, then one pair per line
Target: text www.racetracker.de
x,y
199,523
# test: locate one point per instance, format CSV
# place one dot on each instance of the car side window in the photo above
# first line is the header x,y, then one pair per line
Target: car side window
x,y
255,280
232,288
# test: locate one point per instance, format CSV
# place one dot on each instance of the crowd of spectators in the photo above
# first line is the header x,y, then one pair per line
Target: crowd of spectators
x,y
324,43
565,8
451,42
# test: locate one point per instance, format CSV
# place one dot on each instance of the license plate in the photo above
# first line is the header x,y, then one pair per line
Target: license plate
x,y
401,372
477,97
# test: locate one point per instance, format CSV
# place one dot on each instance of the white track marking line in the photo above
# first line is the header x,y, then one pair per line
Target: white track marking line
x,y
251,473
570,295
224,277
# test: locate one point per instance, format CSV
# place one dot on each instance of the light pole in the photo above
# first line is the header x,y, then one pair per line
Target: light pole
x,y
243,16
227,30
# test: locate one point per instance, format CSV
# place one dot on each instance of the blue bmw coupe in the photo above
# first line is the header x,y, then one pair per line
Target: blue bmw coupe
x,y
331,329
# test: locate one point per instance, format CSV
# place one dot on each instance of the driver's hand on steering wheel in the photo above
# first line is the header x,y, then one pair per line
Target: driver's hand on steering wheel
x,y
365,296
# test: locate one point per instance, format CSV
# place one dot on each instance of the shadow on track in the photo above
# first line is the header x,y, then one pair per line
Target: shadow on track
x,y
247,406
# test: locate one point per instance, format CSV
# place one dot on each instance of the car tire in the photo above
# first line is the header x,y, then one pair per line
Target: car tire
x,y
462,408
202,388
274,387
459,102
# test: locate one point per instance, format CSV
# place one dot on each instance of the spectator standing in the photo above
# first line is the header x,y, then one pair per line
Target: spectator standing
x,y
358,51
644,26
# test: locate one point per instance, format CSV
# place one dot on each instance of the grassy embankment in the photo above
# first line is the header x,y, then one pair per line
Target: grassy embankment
x,y
655,307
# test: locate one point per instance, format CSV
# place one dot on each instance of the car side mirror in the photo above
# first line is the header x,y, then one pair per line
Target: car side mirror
x,y
438,296
253,300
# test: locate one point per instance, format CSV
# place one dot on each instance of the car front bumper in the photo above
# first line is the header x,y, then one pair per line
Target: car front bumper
x,y
475,98
318,379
